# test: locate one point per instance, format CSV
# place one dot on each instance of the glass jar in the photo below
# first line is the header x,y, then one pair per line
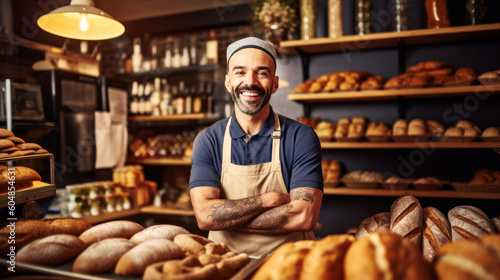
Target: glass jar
x,y
335,26
364,17
475,12
401,18
437,13
308,19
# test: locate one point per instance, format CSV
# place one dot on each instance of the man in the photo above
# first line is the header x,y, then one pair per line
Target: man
x,y
256,179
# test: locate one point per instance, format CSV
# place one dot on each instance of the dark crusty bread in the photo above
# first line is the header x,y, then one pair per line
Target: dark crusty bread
x,y
102,256
385,255
378,222
469,222
135,261
469,259
407,219
158,232
436,232
30,230
51,250
113,229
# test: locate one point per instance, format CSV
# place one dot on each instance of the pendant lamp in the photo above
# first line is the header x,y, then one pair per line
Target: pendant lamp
x,y
81,20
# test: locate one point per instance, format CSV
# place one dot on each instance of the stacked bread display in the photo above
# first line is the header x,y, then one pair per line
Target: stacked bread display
x,y
12,146
125,248
342,81
332,171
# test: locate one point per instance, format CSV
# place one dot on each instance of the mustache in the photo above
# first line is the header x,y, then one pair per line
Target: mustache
x,y
252,88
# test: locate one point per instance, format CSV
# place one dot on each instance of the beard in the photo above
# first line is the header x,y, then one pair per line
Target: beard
x,y
250,107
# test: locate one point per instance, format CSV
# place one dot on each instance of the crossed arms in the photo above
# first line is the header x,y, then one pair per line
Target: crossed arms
x,y
267,213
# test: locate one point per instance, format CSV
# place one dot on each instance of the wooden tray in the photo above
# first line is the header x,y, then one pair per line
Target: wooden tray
x,y
457,139
378,138
349,139
361,185
395,186
428,187
490,138
410,138
466,187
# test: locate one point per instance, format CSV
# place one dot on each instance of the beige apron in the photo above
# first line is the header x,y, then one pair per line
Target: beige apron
x,y
240,181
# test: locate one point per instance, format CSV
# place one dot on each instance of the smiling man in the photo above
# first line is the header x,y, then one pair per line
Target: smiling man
x,y
256,179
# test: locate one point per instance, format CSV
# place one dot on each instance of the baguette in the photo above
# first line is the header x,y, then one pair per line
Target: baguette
x,y
30,230
102,256
469,222
436,232
378,222
51,250
158,232
113,229
406,219
135,261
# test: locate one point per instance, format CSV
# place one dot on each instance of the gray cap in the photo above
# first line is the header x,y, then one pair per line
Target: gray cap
x,y
251,42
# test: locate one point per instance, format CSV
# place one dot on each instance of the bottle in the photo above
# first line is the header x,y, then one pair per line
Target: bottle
x,y
141,104
189,100
437,14
155,99
185,60
364,18
179,100
209,107
212,49
176,60
167,62
193,51
401,15
137,56
148,89
154,54
308,19
134,100
166,102
335,25
197,100
475,12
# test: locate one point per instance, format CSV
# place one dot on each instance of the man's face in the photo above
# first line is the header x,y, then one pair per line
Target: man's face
x,y
251,80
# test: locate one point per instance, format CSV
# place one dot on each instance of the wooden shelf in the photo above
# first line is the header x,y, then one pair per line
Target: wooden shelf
x,y
168,118
160,161
166,211
38,191
351,43
415,193
410,145
387,94
111,216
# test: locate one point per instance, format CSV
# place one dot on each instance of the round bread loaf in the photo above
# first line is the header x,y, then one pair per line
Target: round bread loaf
x,y
385,255
158,232
102,256
435,128
135,261
400,127
454,132
113,229
491,132
468,260
378,222
51,250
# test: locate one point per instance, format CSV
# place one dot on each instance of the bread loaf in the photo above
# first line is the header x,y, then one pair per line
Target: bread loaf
x,y
51,250
496,223
378,222
325,260
30,230
385,255
468,260
102,256
192,243
469,222
135,261
23,178
113,229
158,232
406,219
436,232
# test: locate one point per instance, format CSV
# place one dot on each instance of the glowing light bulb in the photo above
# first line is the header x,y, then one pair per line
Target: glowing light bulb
x,y
83,24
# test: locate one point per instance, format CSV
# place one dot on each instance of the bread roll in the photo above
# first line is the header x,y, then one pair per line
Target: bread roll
x,y
407,219
491,132
469,222
435,128
192,243
325,260
454,132
436,232
285,262
51,250
30,230
113,229
158,232
467,260
186,269
378,222
385,255
135,261
102,256
400,128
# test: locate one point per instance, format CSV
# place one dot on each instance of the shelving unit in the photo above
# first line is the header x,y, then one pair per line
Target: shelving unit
x,y
131,212
410,145
185,161
416,193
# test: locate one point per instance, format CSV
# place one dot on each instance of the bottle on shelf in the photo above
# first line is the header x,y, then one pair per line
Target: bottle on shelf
x,y
189,100
212,50
335,25
401,15
176,60
167,62
437,13
193,55
154,55
137,56
308,19
141,108
185,59
475,12
148,90
155,99
179,100
166,102
364,18
197,100
210,104
134,100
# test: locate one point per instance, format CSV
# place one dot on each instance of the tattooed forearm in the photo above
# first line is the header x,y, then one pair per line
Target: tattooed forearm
x,y
273,219
300,194
233,213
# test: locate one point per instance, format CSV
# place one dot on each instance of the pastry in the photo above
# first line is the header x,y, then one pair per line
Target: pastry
x,y
427,65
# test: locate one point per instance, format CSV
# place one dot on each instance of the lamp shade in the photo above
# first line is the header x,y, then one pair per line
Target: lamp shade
x,y
81,20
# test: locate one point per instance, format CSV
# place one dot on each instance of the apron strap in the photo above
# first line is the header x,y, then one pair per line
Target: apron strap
x,y
275,158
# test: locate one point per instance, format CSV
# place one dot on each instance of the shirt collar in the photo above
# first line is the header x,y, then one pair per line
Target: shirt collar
x,y
266,130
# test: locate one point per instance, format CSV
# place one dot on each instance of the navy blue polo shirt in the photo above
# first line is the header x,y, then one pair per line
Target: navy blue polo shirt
x,y
300,152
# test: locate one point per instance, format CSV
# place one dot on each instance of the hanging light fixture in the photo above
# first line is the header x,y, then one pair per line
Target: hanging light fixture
x,y
81,20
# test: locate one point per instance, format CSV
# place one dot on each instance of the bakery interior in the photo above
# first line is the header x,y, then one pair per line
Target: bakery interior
x,y
111,152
